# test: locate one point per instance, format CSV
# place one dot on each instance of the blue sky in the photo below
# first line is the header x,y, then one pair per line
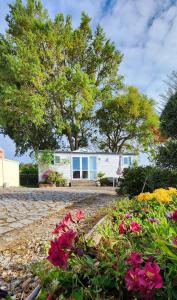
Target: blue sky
x,y
145,31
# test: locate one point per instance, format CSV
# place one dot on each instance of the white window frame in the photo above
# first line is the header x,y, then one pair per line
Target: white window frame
x,y
57,163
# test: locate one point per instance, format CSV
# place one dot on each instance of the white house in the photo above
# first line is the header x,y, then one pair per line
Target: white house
x,y
84,164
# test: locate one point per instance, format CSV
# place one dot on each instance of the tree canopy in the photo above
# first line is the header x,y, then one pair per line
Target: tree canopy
x,y
52,76
168,118
127,121
167,155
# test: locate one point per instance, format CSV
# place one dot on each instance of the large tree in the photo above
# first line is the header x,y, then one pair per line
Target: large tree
x,y
52,76
168,118
126,121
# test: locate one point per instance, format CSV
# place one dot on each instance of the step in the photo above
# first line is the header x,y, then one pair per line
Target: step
x,y
83,183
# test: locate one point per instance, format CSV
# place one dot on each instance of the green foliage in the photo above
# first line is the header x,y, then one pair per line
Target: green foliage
x,y
100,175
46,157
55,177
127,119
167,155
100,272
168,118
28,169
52,76
138,179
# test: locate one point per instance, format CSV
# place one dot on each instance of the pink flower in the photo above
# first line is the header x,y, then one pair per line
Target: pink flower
x,y
135,279
174,215
135,227
80,215
66,240
63,225
48,297
153,277
128,215
57,256
122,228
135,259
175,241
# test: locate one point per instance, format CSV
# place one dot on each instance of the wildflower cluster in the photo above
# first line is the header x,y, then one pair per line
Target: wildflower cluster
x,y
142,277
62,246
132,227
161,195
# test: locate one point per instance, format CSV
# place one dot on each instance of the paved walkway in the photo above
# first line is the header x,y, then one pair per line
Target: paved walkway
x,y
21,207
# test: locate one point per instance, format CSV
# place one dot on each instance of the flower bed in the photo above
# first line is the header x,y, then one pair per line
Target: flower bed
x,y
136,257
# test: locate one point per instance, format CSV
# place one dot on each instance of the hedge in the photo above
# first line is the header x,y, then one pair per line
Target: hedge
x,y
146,179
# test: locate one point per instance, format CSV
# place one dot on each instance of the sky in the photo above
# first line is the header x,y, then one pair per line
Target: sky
x,y
145,31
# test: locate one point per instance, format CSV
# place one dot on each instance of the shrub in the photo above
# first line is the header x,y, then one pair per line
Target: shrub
x,y
28,169
51,176
146,179
100,175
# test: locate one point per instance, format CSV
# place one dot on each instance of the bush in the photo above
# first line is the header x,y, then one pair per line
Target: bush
x,y
135,178
28,169
136,257
53,177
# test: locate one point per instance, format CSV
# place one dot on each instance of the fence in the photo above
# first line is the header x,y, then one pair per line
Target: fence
x,y
28,179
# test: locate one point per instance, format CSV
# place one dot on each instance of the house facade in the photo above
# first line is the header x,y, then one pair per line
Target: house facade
x,y
85,165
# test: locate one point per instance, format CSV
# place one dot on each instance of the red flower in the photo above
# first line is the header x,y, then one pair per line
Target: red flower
x,y
57,256
63,225
153,277
175,241
135,227
67,219
174,215
135,259
122,228
48,297
80,215
59,228
135,279
66,240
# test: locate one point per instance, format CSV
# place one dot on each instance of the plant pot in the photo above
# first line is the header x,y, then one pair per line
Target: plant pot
x,y
47,185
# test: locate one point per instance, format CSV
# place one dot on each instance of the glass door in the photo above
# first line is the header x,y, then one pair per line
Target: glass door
x,y
93,168
84,167
76,168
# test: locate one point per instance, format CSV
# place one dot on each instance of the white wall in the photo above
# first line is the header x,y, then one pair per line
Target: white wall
x,y
106,163
9,173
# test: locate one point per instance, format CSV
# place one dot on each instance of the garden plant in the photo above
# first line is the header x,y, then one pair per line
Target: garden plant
x,y
135,259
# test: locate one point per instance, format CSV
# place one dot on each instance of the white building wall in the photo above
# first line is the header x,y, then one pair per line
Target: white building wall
x,y
9,173
106,163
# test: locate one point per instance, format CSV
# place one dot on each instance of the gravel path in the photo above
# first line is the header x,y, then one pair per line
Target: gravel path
x,y
25,245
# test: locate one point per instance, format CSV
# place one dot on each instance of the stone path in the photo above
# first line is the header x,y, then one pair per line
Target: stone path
x,y
21,207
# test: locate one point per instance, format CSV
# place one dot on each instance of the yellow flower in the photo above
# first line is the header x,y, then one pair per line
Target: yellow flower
x,y
145,196
161,195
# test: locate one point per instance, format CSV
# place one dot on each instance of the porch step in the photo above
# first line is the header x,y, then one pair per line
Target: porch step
x,y
83,183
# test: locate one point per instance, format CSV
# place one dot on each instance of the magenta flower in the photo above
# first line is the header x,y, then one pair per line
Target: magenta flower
x,y
153,220
175,241
122,228
135,227
80,215
66,240
63,225
135,259
135,279
57,256
153,277
174,215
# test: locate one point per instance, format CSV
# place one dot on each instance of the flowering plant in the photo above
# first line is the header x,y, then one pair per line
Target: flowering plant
x,y
135,259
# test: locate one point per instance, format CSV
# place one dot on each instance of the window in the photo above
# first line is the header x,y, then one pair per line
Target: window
x,y
127,160
57,159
